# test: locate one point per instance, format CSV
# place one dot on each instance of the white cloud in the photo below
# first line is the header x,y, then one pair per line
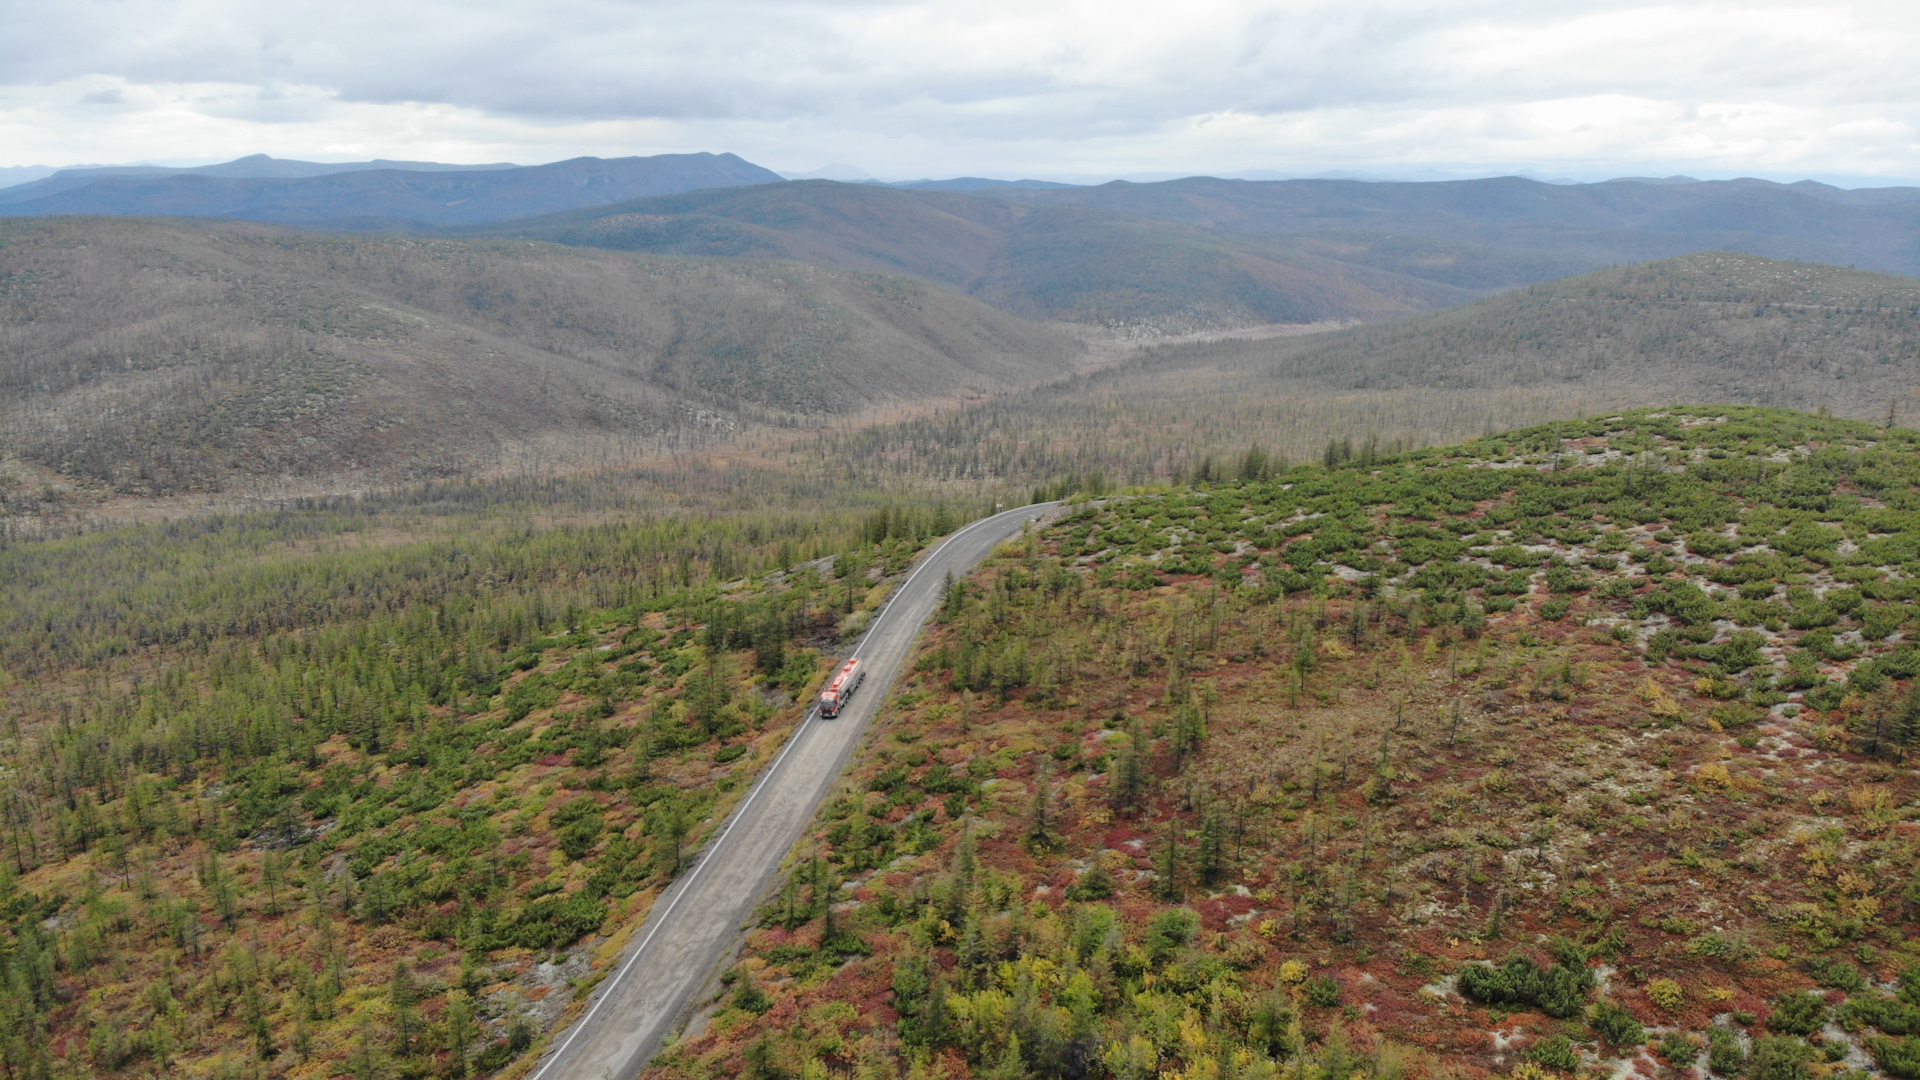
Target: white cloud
x,y
992,86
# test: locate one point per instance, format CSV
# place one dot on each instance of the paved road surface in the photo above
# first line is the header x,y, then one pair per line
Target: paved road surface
x,y
695,924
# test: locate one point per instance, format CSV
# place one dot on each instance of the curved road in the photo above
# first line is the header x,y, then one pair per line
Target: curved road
x,y
695,923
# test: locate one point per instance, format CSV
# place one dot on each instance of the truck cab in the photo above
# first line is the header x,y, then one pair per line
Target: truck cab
x,y
834,696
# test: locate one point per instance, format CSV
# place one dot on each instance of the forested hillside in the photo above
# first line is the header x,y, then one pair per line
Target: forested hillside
x,y
1707,327
378,789
149,358
1712,326
1152,278
1627,220
1576,750
1203,252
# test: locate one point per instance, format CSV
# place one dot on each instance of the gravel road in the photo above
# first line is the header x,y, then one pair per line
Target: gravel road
x,y
696,924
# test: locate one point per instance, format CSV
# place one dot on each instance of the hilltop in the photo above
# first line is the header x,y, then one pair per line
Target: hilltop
x,y
1579,746
150,358
1705,327
1710,326
1573,750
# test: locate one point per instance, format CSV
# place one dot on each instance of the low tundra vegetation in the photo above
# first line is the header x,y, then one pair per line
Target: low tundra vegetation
x,y
1578,749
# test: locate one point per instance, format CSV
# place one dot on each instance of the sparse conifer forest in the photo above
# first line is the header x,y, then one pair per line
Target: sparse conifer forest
x,y
363,791
386,623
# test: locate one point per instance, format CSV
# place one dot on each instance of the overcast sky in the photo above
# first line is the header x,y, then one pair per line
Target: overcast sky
x,y
1018,88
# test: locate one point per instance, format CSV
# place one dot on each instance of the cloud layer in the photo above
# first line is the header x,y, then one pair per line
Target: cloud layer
x,y
1003,88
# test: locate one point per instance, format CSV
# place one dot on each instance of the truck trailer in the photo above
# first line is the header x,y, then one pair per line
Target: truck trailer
x,y
841,687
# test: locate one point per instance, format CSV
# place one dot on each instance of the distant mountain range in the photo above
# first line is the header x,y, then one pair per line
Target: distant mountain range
x,y
13,175
1169,257
380,195
1611,222
977,183
1066,263
43,181
1203,253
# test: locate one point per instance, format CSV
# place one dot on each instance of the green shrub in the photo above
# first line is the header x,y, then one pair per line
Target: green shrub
x,y
1567,951
578,837
1095,884
1679,1048
748,997
1839,975
1556,1052
1798,1014
1803,672
1899,1057
1735,714
1827,697
1779,1057
1889,1014
1562,578
1171,929
1323,991
1724,1055
1882,620
1559,990
1616,1025
1719,947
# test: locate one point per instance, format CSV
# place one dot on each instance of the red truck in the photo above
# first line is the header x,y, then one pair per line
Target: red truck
x,y
841,687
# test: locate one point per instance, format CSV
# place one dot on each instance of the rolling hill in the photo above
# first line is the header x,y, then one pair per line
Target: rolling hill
x,y
1147,260
161,357
1202,253
1593,737
400,197
1065,263
1615,221
1710,327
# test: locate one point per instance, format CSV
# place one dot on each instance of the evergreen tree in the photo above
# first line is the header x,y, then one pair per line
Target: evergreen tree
x,y
669,826
1167,886
959,891
462,1032
403,1003
1904,732
1039,838
1212,853
759,1061
1254,465
1128,781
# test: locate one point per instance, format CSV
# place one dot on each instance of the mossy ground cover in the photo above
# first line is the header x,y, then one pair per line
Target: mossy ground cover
x,y
1576,749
